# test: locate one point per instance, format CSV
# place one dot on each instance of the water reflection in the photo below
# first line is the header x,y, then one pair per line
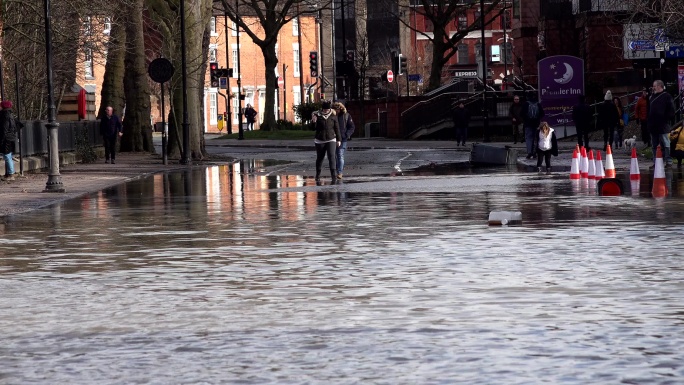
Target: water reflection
x,y
226,275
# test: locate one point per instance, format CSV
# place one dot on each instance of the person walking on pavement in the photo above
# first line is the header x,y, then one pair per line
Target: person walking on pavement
x,y
110,129
547,146
250,115
641,114
607,118
582,116
661,111
347,128
461,118
8,137
515,113
532,113
327,138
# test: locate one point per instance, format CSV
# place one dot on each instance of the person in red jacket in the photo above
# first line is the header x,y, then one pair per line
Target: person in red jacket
x,y
641,113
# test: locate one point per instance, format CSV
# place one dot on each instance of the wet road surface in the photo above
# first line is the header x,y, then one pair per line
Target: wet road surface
x,y
237,274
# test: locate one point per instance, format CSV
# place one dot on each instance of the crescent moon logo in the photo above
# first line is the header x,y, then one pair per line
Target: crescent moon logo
x,y
567,76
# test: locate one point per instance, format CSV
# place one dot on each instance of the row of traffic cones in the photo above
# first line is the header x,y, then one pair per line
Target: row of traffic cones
x,y
585,166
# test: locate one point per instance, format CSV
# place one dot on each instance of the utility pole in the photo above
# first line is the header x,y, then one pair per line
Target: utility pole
x,y
284,92
229,113
54,182
483,52
241,131
299,44
185,159
332,51
320,50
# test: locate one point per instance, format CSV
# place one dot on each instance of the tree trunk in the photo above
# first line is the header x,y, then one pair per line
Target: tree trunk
x,y
438,50
112,84
270,61
137,128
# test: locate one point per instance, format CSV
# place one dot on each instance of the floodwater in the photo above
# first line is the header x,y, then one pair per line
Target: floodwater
x,y
222,275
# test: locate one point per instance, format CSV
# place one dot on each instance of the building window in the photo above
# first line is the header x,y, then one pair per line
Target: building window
x,y
107,25
295,62
87,30
506,20
429,27
295,26
478,19
296,99
213,109
213,53
213,26
462,22
496,53
463,54
236,107
89,65
516,9
233,29
236,69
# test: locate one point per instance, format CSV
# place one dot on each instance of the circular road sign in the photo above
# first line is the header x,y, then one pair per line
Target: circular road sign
x,y
390,76
281,81
160,70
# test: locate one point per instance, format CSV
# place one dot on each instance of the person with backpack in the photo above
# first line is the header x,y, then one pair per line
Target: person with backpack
x,y
532,113
8,137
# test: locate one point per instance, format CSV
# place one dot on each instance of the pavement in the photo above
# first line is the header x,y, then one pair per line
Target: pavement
x,y
28,192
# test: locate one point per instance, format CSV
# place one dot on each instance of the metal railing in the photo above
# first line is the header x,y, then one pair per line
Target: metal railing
x,y
33,137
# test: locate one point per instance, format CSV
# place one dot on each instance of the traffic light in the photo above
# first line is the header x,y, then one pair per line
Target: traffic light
x,y
313,63
350,56
402,65
213,74
395,63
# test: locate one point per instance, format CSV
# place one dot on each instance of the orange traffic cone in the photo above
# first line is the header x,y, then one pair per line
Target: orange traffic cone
x,y
584,163
610,166
634,173
600,174
591,173
574,166
659,185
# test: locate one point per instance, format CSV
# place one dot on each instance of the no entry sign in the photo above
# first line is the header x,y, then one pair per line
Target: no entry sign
x,y
390,76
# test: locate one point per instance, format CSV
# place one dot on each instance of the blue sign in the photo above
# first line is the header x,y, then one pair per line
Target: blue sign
x,y
415,78
675,52
641,45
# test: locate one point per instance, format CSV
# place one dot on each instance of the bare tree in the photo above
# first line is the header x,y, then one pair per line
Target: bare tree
x,y
669,14
262,20
441,14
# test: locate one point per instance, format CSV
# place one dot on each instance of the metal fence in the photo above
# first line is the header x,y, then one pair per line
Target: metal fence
x,y
33,137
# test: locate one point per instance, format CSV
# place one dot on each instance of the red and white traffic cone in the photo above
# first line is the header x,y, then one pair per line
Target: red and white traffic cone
x,y
659,184
591,173
584,163
634,173
574,166
610,166
600,173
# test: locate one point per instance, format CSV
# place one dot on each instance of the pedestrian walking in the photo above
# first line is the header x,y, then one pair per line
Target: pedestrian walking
x,y
607,118
347,128
461,118
620,127
532,113
110,129
661,110
515,113
582,115
250,115
8,138
641,114
326,139
547,145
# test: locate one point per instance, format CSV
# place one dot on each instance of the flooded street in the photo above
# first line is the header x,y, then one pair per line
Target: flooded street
x,y
227,275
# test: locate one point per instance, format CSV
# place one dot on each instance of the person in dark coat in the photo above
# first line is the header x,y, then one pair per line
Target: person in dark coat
x,y
607,118
347,128
641,114
250,115
582,115
532,114
515,113
110,129
326,139
8,137
661,110
461,118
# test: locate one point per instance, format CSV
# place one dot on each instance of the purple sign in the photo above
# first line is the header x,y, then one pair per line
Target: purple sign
x,y
561,82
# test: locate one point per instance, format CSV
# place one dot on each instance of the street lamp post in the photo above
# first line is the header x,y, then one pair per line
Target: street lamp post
x,y
241,130
485,111
185,158
54,182
229,113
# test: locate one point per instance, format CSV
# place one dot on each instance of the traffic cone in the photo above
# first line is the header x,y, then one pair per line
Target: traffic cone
x,y
634,173
610,166
591,173
584,163
600,174
659,185
574,166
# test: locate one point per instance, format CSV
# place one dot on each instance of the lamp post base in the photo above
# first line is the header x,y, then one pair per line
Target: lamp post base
x,y
54,184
